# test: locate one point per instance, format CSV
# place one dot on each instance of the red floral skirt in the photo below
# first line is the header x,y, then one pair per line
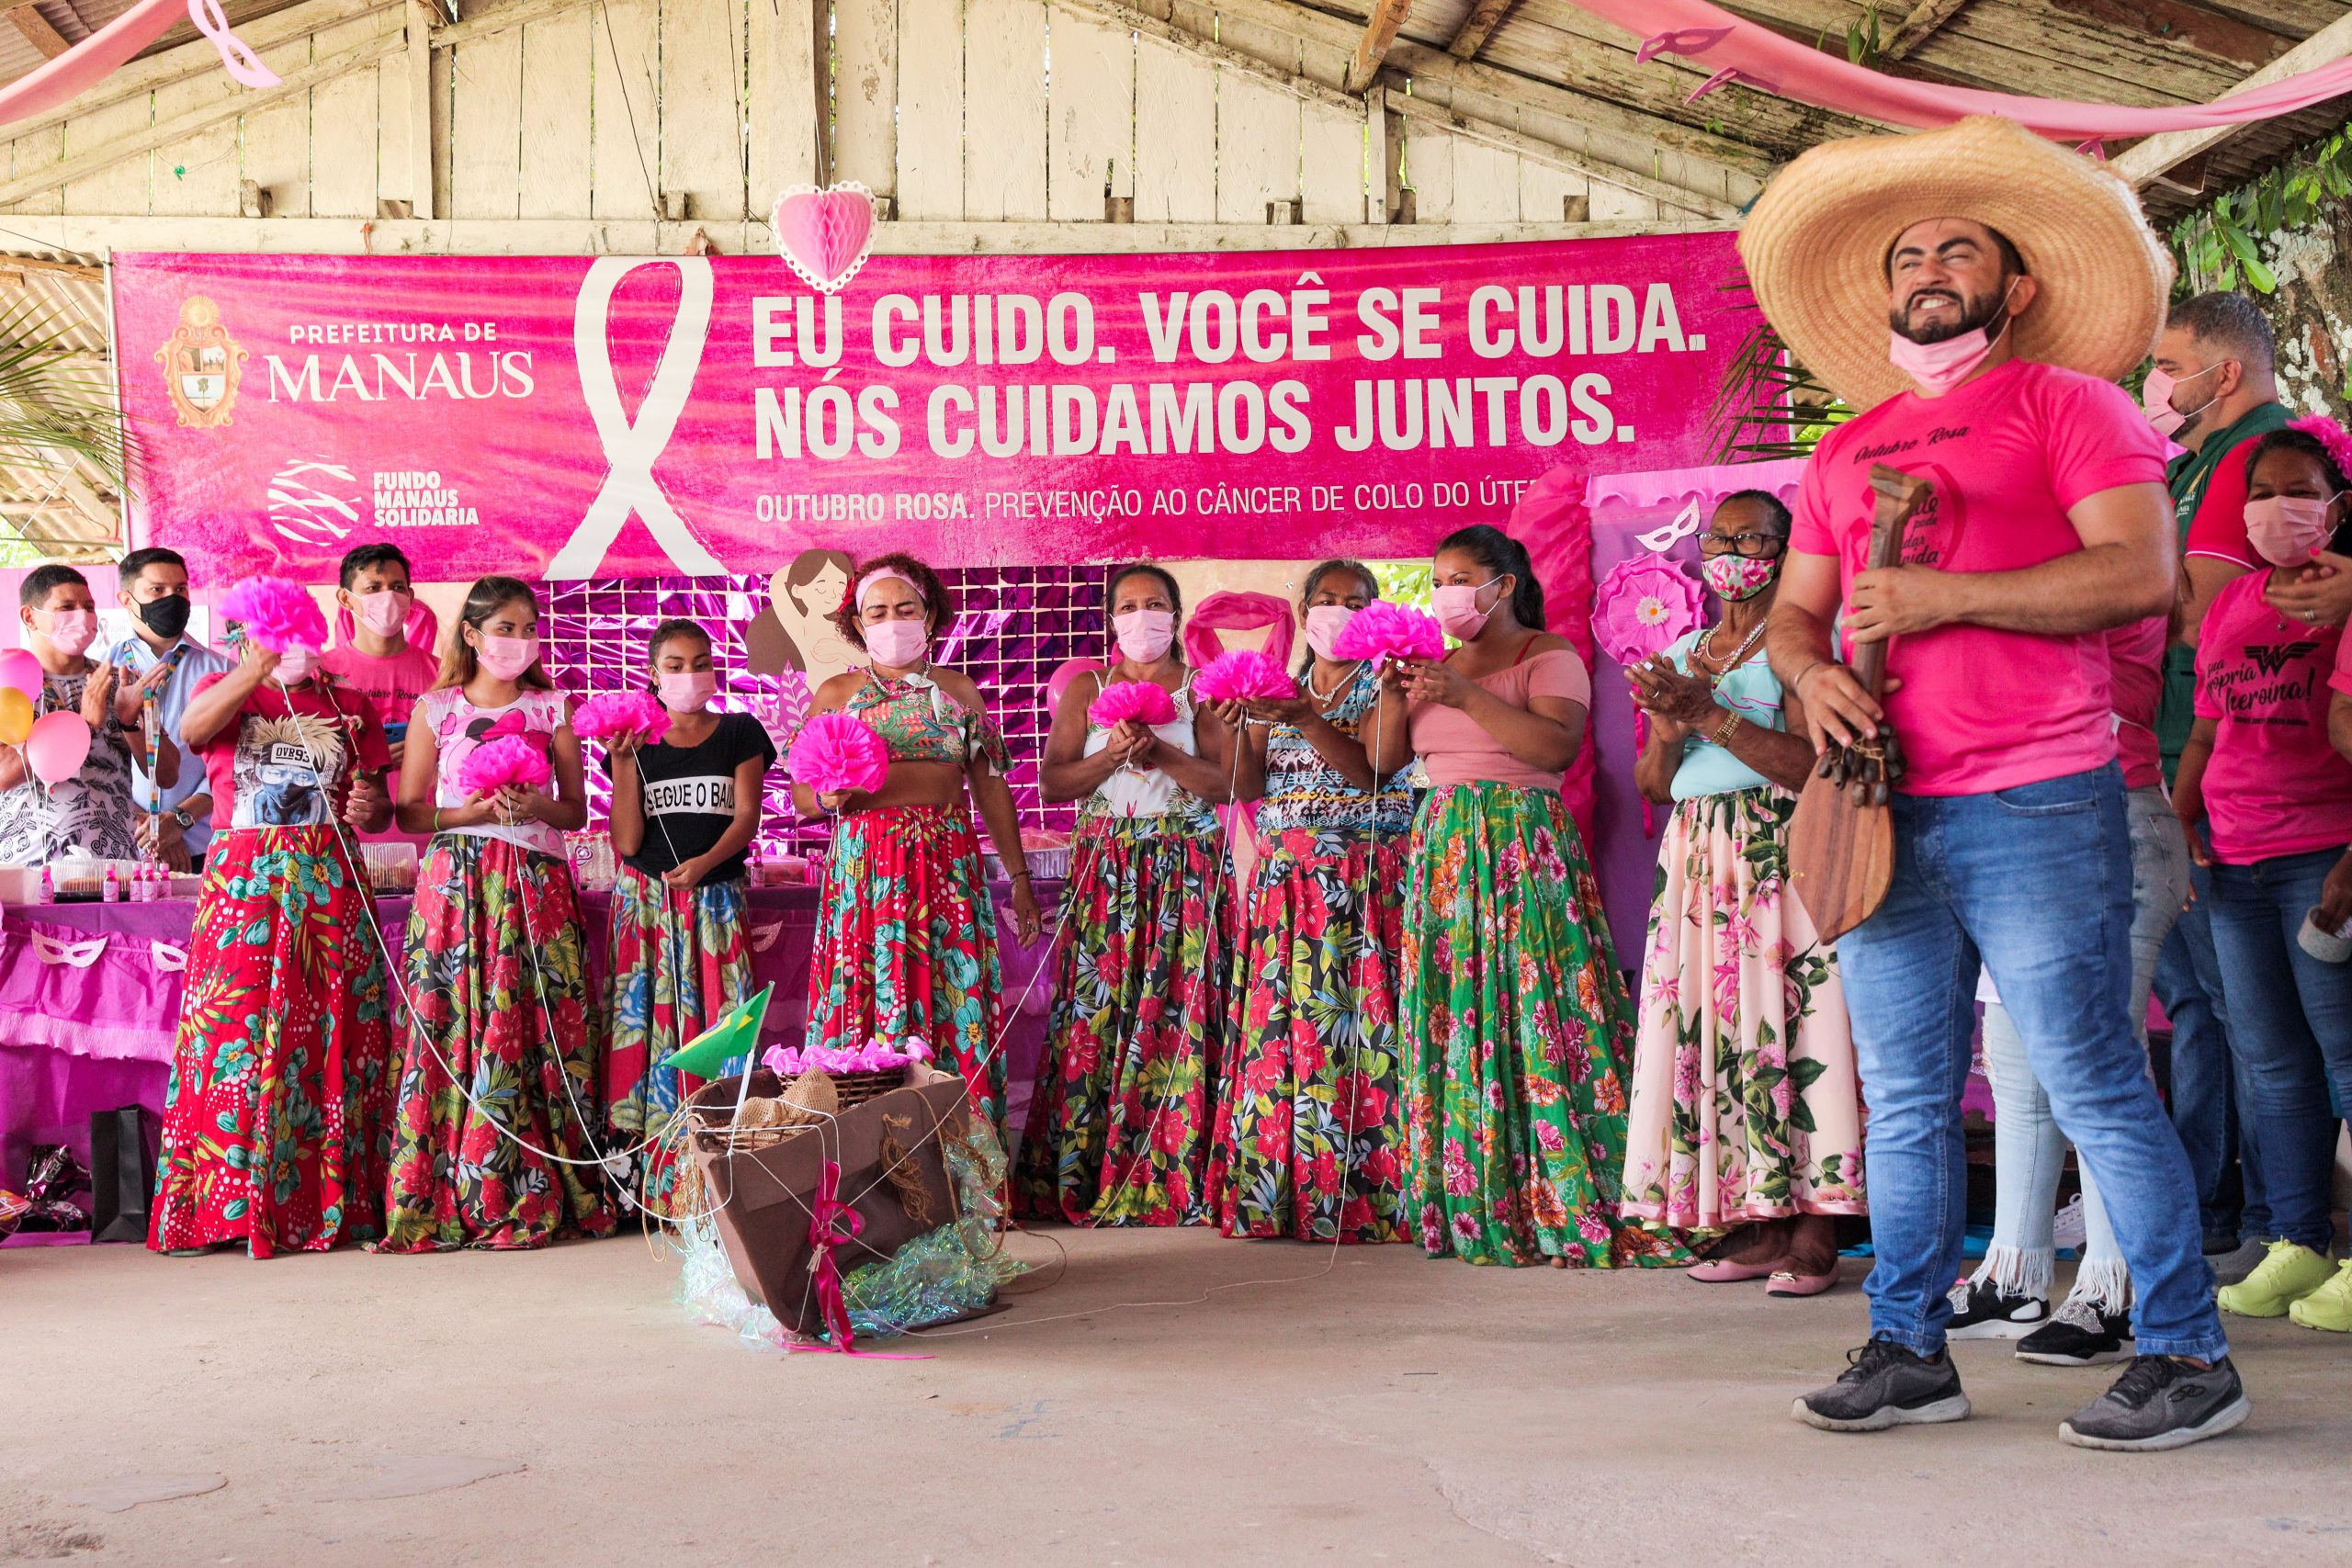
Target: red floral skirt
x,y
277,1131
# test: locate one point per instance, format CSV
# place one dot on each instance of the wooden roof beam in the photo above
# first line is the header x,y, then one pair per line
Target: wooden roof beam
x,y
1380,31
1922,23
1477,28
38,31
2157,155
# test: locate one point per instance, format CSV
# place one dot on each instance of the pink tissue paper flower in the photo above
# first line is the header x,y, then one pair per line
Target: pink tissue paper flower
x,y
509,760
1142,701
835,752
1385,630
277,615
1244,675
610,714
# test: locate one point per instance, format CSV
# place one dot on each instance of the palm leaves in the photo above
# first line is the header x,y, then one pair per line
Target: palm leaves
x,y
1768,406
57,401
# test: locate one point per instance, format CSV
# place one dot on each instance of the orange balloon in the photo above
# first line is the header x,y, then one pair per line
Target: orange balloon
x,y
16,716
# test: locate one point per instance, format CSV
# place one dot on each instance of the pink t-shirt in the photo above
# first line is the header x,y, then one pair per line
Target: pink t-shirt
x,y
2135,666
1982,710
2275,786
1456,748
390,687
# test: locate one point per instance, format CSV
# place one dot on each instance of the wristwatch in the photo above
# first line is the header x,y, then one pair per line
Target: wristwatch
x,y
179,814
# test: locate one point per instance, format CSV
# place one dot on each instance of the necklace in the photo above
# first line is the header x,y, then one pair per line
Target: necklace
x,y
1707,650
1322,696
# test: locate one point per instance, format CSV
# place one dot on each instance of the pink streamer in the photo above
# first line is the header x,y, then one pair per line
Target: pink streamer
x,y
67,77
1237,612
1718,41
834,1223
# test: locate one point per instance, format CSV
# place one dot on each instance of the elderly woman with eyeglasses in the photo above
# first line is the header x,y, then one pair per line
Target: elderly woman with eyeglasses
x,y
1746,1113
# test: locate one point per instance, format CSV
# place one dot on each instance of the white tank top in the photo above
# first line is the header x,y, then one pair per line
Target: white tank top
x,y
1151,791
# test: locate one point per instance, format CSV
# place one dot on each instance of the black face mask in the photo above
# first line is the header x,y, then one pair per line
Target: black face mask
x,y
167,616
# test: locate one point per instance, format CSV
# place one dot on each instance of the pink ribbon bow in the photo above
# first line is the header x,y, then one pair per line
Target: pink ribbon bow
x,y
827,1214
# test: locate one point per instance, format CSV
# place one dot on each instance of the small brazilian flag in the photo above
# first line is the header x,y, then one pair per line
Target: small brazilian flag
x,y
736,1035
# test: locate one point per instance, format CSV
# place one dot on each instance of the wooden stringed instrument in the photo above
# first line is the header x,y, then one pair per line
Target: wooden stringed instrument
x,y
1841,841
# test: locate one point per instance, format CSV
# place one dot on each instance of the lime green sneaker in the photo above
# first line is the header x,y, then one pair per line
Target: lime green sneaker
x,y
2330,1306
2292,1272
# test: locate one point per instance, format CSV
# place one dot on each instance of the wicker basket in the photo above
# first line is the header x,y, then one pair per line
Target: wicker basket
x,y
857,1089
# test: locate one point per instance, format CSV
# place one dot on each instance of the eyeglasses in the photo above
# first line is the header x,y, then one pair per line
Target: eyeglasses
x,y
1749,545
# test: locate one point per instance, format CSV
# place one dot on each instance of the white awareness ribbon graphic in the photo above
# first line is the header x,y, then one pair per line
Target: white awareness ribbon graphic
x,y
634,448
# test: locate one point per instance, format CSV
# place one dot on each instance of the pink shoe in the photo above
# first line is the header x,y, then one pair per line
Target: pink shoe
x,y
1785,1283
1723,1271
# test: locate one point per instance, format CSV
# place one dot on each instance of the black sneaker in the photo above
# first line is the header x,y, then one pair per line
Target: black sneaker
x,y
1885,1385
1982,1311
2078,1335
2160,1403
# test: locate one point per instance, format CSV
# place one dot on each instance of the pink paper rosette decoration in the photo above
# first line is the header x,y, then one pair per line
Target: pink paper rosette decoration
x,y
1142,701
509,760
610,714
834,753
277,615
1385,630
1245,675
1645,604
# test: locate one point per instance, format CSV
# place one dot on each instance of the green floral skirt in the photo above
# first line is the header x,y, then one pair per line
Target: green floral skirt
x,y
1516,1028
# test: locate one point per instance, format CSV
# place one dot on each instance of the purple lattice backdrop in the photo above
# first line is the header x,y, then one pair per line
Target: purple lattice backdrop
x,y
1015,626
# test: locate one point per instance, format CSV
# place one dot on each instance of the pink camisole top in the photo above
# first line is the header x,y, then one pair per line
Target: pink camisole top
x,y
1455,748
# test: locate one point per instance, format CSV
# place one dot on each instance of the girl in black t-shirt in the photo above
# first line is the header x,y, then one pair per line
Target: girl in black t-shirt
x,y
684,812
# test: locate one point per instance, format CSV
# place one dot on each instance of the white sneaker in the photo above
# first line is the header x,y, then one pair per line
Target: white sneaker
x,y
1982,1311
2067,1229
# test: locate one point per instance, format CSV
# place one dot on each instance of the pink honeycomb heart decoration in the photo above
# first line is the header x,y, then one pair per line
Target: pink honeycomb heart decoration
x,y
825,235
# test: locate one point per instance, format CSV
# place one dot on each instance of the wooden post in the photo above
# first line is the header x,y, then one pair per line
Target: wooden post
x,y
420,109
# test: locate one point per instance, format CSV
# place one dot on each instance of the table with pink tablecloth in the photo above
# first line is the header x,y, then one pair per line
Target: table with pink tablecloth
x,y
90,1002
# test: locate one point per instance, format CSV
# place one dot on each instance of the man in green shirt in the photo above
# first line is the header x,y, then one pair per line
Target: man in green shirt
x,y
2212,390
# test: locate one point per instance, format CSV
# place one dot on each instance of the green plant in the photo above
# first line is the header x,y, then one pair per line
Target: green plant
x,y
1863,42
57,402
1768,405
2217,246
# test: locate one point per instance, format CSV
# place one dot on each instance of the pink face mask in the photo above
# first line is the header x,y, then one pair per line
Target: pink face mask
x,y
386,612
1456,604
687,691
2288,530
1739,577
2155,398
1144,636
507,657
70,631
1938,367
898,644
1324,624
294,665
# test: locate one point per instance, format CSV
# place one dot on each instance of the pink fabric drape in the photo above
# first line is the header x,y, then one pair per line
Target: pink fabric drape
x,y
1716,40
1237,612
107,51
1552,522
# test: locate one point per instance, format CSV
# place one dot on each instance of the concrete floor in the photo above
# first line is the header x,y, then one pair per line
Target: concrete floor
x,y
1392,1410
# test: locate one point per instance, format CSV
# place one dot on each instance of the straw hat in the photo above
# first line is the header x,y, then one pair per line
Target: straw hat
x,y
1815,247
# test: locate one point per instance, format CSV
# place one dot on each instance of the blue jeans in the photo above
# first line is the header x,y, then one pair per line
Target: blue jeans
x,y
2212,1084
2033,884
2292,1019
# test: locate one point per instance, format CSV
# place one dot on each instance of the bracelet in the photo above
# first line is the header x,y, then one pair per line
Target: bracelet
x,y
1021,875
1726,729
436,818
1797,684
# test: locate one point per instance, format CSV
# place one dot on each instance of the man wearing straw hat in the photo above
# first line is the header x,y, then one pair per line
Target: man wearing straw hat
x,y
2019,280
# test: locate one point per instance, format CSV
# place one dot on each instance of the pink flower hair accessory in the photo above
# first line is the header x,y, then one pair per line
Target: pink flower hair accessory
x,y
2333,438
496,764
277,615
1145,702
610,714
834,752
1244,675
1384,629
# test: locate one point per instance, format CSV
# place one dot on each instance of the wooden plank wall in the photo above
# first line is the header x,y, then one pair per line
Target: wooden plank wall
x,y
960,110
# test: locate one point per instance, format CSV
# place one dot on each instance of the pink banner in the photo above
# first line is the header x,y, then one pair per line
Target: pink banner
x,y
574,417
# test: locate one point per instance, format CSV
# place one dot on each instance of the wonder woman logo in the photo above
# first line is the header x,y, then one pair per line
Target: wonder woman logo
x,y
2272,659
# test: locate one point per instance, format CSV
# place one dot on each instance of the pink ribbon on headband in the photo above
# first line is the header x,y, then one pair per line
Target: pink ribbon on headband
x,y
882,574
827,1214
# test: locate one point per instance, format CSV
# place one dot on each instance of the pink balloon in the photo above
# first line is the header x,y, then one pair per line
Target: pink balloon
x,y
22,671
1061,678
58,746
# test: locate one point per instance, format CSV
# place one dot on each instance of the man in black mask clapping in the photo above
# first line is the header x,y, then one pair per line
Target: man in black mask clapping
x,y
161,664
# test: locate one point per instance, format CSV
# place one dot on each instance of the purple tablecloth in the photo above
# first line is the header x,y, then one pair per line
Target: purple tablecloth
x,y
90,1002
